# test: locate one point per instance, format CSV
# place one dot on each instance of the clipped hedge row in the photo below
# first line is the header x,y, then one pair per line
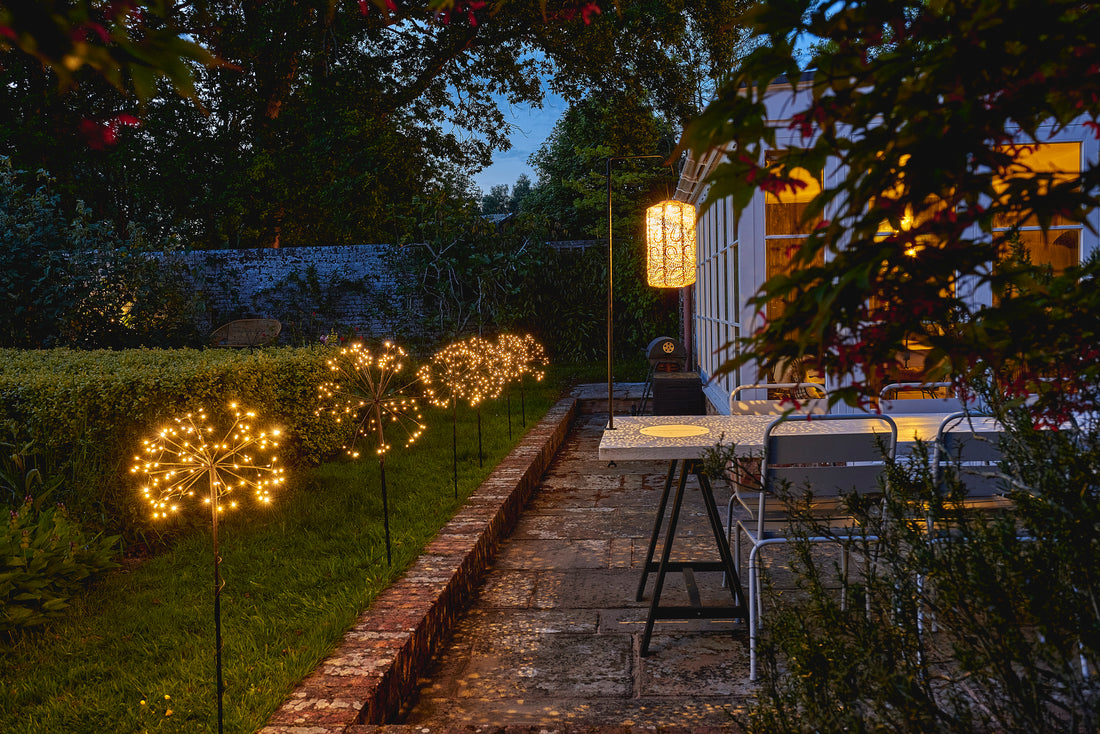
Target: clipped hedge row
x,y
91,409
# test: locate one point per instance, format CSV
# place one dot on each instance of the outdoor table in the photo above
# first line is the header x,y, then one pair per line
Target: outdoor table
x,y
682,440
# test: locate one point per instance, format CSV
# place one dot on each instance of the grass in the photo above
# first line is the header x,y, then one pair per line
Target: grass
x,y
136,654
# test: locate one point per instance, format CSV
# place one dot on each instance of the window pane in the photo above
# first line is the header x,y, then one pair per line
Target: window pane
x,y
779,255
1058,248
1060,161
783,212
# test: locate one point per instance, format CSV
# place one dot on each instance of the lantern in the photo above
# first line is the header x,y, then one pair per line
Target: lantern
x,y
670,244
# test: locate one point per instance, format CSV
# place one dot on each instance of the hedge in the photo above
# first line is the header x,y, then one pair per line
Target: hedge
x,y
89,410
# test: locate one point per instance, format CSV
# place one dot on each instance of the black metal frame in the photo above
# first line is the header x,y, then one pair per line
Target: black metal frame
x,y
738,609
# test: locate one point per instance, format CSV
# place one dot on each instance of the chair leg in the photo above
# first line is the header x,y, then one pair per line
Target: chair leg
x,y
843,577
737,548
754,613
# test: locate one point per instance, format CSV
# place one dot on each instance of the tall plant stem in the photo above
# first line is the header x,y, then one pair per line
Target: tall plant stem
x,y
217,598
480,453
454,441
385,508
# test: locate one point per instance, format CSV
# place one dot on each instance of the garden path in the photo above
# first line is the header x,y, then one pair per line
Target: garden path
x,y
553,635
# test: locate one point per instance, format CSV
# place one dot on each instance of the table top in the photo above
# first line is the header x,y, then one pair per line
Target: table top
x,y
688,436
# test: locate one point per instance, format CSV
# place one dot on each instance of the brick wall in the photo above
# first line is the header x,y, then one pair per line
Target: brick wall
x,y
310,289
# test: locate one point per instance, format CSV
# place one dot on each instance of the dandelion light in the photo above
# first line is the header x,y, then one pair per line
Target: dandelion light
x,y
525,356
191,458
364,391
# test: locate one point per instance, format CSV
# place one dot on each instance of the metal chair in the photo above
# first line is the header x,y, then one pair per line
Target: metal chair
x,y
818,405
779,406
829,466
971,457
929,402
962,454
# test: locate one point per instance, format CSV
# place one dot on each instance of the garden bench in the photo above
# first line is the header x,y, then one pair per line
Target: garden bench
x,y
246,333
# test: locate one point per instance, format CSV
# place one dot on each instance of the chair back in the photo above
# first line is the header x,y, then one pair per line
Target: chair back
x,y
827,461
972,455
931,400
779,406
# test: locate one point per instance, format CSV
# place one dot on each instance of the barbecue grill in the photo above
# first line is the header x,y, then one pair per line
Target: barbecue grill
x,y
665,354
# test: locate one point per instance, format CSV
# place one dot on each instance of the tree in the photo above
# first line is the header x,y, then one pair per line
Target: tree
x,y
916,101
321,120
919,103
572,164
520,191
497,201
501,200
571,199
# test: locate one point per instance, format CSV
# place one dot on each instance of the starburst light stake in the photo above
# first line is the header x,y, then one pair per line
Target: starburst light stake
x,y
365,392
454,373
524,356
234,464
486,381
506,361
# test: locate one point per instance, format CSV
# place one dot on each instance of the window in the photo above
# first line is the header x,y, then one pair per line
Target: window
x,y
785,230
1054,163
717,308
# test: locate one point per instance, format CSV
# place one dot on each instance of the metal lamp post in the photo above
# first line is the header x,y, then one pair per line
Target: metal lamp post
x,y
610,288
670,254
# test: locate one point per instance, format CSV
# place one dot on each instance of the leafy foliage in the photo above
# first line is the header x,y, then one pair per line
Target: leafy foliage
x,y
66,278
917,103
47,558
986,624
924,108
465,272
319,121
131,44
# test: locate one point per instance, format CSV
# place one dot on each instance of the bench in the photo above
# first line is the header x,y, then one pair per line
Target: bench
x,y
246,333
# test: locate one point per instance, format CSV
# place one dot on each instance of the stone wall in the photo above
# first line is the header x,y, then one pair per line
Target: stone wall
x,y
311,290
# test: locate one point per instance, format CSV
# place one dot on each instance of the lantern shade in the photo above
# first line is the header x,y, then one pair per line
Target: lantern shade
x,y
670,244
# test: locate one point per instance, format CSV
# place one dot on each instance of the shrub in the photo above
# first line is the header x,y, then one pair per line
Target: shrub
x,y
1008,637
94,408
66,278
45,559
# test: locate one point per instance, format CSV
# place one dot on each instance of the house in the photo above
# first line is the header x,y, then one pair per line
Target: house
x,y
735,255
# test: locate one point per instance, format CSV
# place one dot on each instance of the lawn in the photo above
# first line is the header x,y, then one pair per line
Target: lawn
x,y
137,653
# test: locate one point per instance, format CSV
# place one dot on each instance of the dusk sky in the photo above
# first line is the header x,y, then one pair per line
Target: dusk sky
x,y
534,126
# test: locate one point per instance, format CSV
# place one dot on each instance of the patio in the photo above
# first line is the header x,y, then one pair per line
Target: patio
x,y
550,640
554,635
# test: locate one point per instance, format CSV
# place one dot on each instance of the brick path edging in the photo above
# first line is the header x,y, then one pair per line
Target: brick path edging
x,y
375,669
